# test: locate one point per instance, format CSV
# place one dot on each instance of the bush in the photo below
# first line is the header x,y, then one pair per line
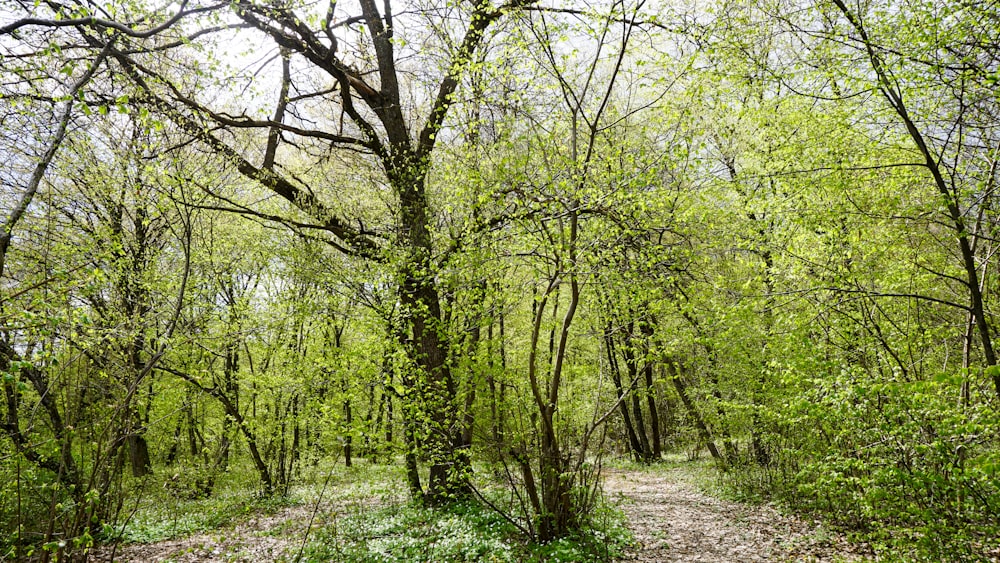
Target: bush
x,y
901,464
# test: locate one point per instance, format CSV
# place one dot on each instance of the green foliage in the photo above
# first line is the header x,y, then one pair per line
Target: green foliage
x,y
604,538
163,511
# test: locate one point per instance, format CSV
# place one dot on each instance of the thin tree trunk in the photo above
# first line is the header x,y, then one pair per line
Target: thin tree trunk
x,y
616,378
348,422
699,423
633,373
654,417
230,409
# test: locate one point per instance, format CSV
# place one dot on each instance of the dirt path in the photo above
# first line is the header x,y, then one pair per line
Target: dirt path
x,y
673,521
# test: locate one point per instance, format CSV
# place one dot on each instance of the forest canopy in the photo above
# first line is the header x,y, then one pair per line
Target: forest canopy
x,y
495,242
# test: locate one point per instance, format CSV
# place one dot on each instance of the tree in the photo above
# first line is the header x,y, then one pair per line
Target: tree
x,y
960,132
380,125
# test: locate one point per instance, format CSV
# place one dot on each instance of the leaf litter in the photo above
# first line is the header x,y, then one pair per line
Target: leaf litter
x,y
673,521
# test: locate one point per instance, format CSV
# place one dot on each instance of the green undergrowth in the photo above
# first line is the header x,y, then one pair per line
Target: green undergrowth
x,y
161,523
363,514
390,528
160,519
900,465
461,532
162,514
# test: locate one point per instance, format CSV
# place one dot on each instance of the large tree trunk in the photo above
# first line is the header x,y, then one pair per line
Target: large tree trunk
x,y
421,303
138,453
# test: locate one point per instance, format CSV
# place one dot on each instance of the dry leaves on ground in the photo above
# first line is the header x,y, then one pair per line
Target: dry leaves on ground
x,y
673,521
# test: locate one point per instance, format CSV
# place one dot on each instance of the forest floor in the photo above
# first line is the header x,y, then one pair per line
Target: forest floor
x,y
672,520
670,517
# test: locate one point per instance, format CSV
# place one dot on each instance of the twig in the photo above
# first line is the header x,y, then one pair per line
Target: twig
x,y
312,517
